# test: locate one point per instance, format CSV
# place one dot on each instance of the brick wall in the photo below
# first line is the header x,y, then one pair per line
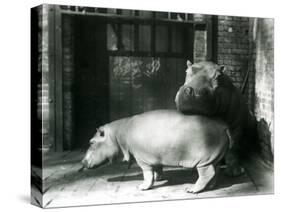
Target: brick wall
x,y
43,86
233,46
251,83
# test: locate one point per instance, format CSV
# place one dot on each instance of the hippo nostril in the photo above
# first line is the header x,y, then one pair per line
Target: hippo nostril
x,y
189,91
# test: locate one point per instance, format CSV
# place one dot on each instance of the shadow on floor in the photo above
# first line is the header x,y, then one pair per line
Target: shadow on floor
x,y
179,177
74,174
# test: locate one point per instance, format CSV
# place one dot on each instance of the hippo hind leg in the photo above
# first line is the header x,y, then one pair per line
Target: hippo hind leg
x,y
206,175
213,182
233,168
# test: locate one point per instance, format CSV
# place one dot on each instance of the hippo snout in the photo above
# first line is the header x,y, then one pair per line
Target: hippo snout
x,y
85,163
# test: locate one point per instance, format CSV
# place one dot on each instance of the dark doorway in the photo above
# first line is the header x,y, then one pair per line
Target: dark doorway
x,y
91,78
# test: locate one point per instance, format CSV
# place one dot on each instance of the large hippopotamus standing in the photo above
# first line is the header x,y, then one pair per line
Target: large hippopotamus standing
x,y
208,91
163,138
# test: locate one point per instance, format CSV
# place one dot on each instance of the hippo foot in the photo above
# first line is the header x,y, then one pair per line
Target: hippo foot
x,y
193,190
144,186
206,176
234,171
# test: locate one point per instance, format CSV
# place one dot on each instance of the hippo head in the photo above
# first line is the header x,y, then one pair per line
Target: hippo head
x,y
198,94
103,149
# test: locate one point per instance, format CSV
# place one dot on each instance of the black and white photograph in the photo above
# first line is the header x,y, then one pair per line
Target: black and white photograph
x,y
133,105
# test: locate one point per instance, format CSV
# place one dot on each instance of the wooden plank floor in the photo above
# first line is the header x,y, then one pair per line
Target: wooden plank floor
x,y
65,185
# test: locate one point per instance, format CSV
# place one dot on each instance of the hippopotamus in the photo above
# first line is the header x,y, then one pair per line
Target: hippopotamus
x,y
208,91
163,138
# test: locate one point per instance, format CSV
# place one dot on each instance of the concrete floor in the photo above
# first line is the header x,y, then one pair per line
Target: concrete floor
x,y
65,185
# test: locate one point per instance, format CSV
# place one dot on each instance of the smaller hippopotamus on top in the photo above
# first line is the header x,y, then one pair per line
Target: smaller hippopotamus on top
x,y
208,91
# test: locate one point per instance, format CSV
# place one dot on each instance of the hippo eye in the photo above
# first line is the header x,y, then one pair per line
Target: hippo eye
x,y
102,133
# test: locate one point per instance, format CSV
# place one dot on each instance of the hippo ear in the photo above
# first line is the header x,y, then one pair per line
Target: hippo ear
x,y
188,70
188,63
222,69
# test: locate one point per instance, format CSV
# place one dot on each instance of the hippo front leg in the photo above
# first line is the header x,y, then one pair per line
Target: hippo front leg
x,y
147,176
158,173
